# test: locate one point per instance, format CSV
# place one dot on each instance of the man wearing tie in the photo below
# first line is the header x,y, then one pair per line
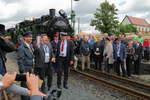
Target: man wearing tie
x,y
64,59
54,44
119,56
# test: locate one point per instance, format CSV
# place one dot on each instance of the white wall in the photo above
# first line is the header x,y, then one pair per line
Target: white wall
x,y
126,21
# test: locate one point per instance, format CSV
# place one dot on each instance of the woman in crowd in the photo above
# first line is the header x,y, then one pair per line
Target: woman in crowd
x,y
108,55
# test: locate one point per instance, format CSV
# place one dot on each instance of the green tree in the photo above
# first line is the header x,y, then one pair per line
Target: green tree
x,y
105,19
127,28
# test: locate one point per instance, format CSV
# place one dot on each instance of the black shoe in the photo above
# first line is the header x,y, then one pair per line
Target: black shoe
x,y
59,86
65,86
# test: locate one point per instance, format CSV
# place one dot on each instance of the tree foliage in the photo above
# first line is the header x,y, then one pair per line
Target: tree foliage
x,y
127,28
105,19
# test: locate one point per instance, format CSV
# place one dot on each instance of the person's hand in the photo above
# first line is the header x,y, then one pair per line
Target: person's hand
x,y
71,62
8,80
53,60
32,84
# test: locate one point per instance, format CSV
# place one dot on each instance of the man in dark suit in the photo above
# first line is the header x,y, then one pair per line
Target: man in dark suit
x,y
98,55
137,56
119,53
43,57
64,58
25,58
54,45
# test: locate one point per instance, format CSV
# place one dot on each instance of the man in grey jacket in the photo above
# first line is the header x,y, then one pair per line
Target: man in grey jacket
x,y
25,58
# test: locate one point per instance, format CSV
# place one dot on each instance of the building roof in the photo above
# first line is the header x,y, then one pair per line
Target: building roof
x,y
138,21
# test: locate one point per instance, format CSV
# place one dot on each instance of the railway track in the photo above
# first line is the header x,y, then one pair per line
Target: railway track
x,y
132,88
122,79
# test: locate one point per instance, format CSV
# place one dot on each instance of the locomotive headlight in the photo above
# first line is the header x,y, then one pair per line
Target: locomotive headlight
x,y
62,13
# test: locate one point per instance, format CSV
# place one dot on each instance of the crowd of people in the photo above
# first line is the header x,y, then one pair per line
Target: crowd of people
x,y
115,54
44,57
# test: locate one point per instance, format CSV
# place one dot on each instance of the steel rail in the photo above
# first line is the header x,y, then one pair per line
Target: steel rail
x,y
122,79
129,91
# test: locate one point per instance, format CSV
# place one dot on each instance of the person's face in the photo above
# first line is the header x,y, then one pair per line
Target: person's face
x,y
86,39
118,41
45,40
28,39
63,37
130,44
140,35
68,37
55,38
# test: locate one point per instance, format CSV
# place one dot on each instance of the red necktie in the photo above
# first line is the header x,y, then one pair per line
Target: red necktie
x,y
62,46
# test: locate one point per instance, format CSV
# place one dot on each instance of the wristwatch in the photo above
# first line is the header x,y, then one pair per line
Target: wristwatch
x,y
1,85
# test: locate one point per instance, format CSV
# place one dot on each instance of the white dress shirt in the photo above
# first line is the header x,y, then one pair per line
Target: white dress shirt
x,y
64,52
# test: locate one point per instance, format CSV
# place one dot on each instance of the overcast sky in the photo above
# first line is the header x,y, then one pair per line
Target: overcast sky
x,y
14,11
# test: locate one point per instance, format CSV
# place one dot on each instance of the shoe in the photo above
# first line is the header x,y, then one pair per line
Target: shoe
x,y
59,87
65,86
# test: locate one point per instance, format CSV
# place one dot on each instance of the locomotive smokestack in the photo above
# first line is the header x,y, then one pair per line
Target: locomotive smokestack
x,y
52,12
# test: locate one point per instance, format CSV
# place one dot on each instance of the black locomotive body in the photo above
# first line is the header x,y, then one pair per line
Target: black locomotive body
x,y
47,24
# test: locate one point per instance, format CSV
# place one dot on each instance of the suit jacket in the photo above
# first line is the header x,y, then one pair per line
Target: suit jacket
x,y
40,56
138,51
25,58
70,51
98,46
55,46
122,52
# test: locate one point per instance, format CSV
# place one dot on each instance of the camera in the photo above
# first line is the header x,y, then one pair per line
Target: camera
x,y
20,77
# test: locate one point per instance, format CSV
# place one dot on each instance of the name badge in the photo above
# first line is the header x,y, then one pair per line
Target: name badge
x,y
61,54
46,54
87,49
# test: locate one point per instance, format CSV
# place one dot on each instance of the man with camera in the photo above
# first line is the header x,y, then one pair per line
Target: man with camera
x,y
8,80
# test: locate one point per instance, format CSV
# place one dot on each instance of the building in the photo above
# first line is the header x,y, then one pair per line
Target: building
x,y
141,24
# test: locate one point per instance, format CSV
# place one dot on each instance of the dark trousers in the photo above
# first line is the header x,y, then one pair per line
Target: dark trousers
x,y
120,63
45,73
128,64
23,84
146,54
98,62
108,66
137,66
63,64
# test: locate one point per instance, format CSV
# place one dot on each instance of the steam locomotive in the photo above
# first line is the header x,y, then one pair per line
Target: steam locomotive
x,y
49,24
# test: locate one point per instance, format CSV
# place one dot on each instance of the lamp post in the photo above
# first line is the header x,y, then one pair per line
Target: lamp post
x,y
72,14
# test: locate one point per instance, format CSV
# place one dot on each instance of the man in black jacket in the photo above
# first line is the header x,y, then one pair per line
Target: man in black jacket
x,y
43,57
137,56
64,59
